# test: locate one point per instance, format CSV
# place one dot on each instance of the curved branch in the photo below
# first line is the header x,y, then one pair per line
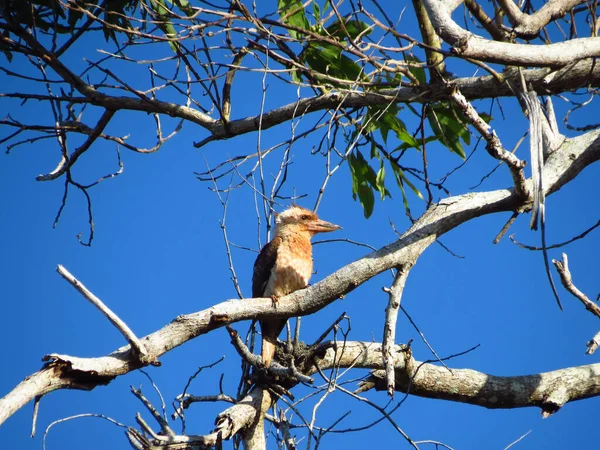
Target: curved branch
x,y
469,45
113,103
66,164
526,25
542,81
548,391
64,372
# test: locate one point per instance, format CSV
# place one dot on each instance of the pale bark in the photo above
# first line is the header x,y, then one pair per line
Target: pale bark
x,y
64,372
548,391
530,25
469,45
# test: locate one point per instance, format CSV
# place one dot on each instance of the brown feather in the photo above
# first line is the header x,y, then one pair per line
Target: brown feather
x,y
263,266
285,265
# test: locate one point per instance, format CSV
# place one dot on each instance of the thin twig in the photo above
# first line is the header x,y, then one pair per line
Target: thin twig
x,y
562,244
165,429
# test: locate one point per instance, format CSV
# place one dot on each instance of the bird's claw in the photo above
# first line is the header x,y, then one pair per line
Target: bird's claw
x,y
274,300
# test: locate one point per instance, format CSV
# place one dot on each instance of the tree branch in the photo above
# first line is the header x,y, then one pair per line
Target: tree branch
x,y
62,372
389,329
549,390
469,45
543,81
137,347
567,280
529,26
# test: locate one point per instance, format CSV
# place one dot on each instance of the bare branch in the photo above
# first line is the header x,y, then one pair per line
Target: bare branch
x,y
66,164
389,329
138,348
567,280
494,146
593,344
548,391
469,45
529,26
86,373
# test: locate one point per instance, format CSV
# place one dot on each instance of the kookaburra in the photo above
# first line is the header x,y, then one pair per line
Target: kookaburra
x,y
285,265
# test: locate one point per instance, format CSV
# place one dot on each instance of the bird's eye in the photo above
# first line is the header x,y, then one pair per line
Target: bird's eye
x,y
304,217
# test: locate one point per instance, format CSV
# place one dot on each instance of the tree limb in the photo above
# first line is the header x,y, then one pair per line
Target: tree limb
x,y
469,45
62,372
529,26
549,390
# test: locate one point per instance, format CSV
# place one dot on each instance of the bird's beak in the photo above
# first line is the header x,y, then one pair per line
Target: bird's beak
x,y
320,226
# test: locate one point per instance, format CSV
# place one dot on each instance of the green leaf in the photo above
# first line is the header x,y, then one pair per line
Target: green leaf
x,y
381,181
418,72
367,171
329,60
400,129
184,5
364,180
405,146
401,179
389,120
367,199
349,70
316,11
322,59
296,76
446,130
486,117
354,175
292,13
161,10
354,27
374,150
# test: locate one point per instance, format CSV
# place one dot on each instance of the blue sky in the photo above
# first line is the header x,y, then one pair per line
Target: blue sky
x,y
158,252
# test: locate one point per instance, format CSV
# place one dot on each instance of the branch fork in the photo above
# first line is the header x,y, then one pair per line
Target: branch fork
x,y
138,348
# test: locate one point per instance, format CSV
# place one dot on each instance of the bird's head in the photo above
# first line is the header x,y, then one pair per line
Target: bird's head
x,y
299,219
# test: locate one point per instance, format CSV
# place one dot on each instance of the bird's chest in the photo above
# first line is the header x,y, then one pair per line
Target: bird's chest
x,y
293,267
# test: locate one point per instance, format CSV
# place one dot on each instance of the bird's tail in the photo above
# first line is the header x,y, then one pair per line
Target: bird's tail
x,y
269,345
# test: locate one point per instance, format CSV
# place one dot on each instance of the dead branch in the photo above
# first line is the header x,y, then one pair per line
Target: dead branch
x,y
137,347
549,391
567,280
389,329
63,371
469,45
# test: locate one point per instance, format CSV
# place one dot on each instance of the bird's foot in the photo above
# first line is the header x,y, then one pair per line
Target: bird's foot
x,y
274,300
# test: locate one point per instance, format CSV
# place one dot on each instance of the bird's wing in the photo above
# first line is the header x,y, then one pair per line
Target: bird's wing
x,y
263,266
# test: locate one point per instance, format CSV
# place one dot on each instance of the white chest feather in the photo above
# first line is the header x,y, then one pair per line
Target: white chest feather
x,y
292,270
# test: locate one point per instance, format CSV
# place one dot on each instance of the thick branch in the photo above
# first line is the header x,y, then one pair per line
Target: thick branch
x,y
469,45
542,81
486,21
85,373
548,391
526,25
435,60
